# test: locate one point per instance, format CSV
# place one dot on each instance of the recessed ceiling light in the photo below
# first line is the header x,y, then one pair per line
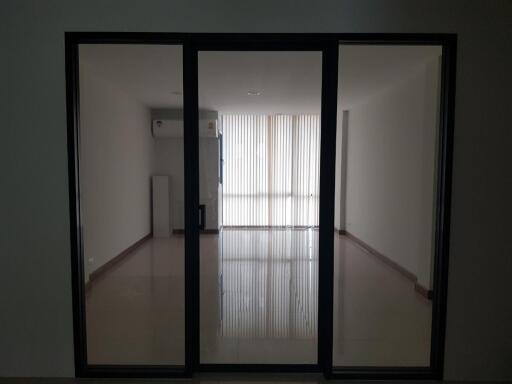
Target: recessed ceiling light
x,y
253,93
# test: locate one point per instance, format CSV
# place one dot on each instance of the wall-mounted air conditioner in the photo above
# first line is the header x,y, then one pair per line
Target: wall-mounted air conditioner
x,y
174,128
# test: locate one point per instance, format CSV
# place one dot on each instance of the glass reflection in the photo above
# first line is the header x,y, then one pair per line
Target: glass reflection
x,y
388,109
131,196
259,183
268,296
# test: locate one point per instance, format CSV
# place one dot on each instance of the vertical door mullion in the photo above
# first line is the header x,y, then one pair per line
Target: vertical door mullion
x,y
191,165
327,173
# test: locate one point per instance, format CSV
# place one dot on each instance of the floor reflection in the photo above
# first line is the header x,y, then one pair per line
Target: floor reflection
x,y
379,319
258,292
269,284
135,312
268,295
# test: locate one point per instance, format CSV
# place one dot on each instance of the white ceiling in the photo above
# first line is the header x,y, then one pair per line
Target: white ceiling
x,y
289,82
150,72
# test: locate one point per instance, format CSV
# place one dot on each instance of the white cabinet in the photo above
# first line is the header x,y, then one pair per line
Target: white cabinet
x,y
162,206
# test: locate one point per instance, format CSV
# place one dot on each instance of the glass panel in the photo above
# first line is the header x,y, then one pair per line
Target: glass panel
x,y
131,180
388,109
260,129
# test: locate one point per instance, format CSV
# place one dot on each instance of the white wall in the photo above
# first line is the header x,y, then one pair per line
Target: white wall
x,y
390,170
340,186
429,156
337,170
116,161
169,161
35,283
209,180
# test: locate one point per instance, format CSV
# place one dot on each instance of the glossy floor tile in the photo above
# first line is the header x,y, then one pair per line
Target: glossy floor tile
x,y
135,312
259,304
265,284
379,319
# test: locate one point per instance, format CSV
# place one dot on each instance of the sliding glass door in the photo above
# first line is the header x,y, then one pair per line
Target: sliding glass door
x,y
207,174
259,243
131,168
385,218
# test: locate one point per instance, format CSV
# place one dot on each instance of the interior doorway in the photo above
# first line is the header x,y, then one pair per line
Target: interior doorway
x,y
260,268
217,155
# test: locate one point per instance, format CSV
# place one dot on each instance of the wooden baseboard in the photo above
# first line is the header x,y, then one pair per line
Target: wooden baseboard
x,y
340,231
393,264
426,293
203,231
112,262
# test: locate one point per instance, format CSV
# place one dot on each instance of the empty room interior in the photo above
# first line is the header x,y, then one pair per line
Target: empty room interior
x,y
259,204
255,191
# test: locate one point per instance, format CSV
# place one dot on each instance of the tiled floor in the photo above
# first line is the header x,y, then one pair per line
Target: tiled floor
x,y
379,319
259,291
266,287
135,312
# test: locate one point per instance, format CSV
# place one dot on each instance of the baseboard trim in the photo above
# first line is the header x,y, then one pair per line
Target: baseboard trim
x,y
426,293
97,273
203,231
393,264
340,231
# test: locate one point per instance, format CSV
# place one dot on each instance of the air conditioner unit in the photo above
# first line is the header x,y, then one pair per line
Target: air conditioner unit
x,y
174,128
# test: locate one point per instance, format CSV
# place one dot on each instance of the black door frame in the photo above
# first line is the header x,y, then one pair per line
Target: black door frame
x,y
329,51
328,44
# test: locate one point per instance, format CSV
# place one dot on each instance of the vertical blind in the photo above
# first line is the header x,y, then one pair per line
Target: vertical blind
x,y
271,170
